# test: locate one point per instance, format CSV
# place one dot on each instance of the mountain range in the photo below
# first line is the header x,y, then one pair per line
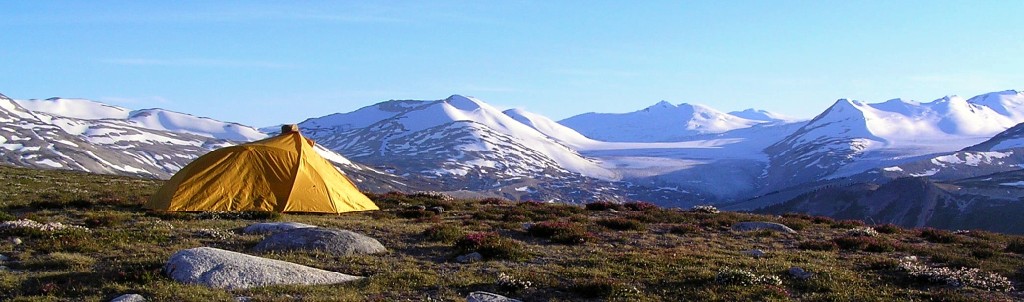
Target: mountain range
x,y
674,155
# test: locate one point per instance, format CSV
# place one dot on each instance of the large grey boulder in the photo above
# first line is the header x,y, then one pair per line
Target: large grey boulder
x,y
274,227
339,242
761,225
226,269
129,298
488,297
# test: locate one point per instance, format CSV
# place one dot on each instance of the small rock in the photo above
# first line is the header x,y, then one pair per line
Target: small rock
x,y
4,258
129,298
274,227
243,299
469,258
420,208
219,268
488,297
338,242
761,225
800,273
15,240
756,253
527,226
437,209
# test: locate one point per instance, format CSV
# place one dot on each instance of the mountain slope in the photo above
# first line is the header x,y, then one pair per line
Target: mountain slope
x,y
155,119
851,136
552,129
458,125
990,202
82,135
662,122
763,115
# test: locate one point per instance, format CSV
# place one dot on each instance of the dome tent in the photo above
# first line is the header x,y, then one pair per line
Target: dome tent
x,y
280,174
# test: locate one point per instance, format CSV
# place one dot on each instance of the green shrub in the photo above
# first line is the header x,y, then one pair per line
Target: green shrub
x,y
983,251
494,201
818,245
823,220
683,229
938,236
560,232
731,276
103,219
622,224
868,244
492,246
888,228
416,214
4,216
953,258
640,206
1016,245
796,224
603,206
444,233
59,261
719,221
847,224
166,215
603,288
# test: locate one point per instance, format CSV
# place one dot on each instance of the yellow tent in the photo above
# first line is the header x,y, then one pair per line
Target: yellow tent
x,y
282,174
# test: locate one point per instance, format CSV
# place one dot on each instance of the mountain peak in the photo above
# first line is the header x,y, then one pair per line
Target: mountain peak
x,y
462,102
762,115
660,105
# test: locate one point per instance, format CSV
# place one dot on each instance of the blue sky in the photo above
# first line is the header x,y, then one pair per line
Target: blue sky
x,y
265,63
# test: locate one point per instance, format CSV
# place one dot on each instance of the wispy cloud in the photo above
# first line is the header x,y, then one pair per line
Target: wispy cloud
x,y
197,63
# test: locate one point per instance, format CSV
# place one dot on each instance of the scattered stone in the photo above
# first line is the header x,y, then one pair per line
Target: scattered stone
x,y
212,233
800,273
756,253
15,240
527,226
219,268
437,209
469,258
338,242
129,298
243,299
488,297
761,225
274,227
4,258
420,208
32,224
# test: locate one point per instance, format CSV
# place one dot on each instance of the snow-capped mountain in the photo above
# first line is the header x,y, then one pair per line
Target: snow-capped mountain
x,y
851,136
552,129
662,122
83,135
156,119
469,127
462,143
1010,139
41,140
764,116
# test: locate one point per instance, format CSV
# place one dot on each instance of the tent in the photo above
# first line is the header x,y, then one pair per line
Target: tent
x,y
281,174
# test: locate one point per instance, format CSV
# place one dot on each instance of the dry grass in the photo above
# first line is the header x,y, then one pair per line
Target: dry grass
x,y
635,253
